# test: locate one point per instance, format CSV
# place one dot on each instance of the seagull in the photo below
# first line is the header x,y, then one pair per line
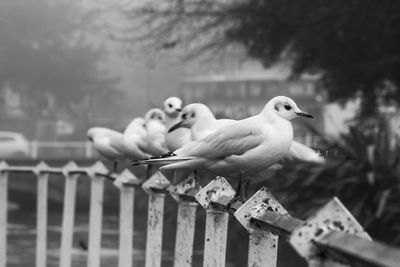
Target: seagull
x,y
135,139
155,138
174,139
109,143
200,120
244,147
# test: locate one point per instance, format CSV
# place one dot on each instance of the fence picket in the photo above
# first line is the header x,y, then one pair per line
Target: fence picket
x,y
127,196
215,238
68,216
41,223
185,233
3,217
96,215
155,220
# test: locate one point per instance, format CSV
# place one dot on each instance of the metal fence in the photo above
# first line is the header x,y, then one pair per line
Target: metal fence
x,y
331,237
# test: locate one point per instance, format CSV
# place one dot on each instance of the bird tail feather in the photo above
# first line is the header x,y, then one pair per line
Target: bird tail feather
x,y
161,161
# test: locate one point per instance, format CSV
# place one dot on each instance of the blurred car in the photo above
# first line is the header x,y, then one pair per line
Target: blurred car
x,y
13,145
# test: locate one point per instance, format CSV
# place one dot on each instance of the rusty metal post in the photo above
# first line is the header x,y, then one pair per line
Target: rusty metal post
x,y
263,245
184,193
219,191
156,187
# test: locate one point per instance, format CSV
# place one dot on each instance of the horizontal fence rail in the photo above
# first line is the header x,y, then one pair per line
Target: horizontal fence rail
x,y
331,237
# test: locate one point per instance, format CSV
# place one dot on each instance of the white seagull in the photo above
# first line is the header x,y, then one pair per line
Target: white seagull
x,y
244,147
200,120
135,139
155,126
174,139
109,143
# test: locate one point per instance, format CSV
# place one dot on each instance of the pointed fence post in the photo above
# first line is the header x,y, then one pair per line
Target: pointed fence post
x,y
96,212
155,187
68,214
333,216
263,245
184,193
126,182
41,212
3,213
217,191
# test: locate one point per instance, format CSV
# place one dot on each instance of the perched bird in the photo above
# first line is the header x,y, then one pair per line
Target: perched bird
x,y
109,143
200,120
155,126
135,139
175,139
242,148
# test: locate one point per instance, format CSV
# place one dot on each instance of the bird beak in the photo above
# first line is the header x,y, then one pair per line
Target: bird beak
x,y
304,114
180,124
178,109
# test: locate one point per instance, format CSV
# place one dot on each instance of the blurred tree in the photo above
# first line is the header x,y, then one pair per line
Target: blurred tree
x,y
353,45
45,55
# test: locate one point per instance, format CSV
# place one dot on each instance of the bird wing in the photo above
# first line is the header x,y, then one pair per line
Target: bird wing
x,y
234,139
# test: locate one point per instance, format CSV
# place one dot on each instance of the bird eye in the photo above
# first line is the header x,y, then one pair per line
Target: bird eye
x,y
193,114
288,107
170,105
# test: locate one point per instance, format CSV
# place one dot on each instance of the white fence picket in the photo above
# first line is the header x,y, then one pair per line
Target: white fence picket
x,y
41,220
3,218
95,221
215,238
127,195
185,234
155,220
68,220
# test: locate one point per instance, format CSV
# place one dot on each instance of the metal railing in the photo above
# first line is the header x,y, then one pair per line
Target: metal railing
x,y
331,237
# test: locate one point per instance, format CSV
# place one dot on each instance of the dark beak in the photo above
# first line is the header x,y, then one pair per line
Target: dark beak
x,y
90,139
176,126
178,109
304,114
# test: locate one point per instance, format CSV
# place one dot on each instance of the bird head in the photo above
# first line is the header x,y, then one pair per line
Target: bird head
x,y
155,114
192,114
172,106
286,108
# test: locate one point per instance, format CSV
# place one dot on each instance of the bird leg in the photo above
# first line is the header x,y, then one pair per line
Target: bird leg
x,y
239,192
115,166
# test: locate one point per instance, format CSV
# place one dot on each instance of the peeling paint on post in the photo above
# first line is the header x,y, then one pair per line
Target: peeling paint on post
x,y
219,191
263,245
186,221
155,218
185,234
215,238
154,229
